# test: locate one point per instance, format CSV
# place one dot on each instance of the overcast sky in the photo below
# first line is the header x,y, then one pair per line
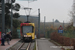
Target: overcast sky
x,y
52,9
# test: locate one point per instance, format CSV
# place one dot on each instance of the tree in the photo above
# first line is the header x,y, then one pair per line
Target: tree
x,y
7,21
16,7
16,23
7,16
16,15
7,12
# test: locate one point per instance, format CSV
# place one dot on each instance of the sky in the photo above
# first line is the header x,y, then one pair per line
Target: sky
x,y
51,9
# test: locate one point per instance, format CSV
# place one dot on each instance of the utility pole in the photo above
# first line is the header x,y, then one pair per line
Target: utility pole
x,y
11,19
44,25
3,16
3,21
53,23
0,17
73,13
63,24
38,23
63,30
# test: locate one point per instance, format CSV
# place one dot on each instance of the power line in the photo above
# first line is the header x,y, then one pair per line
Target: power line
x,y
33,11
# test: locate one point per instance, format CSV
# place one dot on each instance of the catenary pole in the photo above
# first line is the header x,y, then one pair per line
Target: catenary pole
x,y
3,22
11,19
44,25
38,23
63,24
53,25
3,16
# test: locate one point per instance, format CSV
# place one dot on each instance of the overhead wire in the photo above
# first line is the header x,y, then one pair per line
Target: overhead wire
x,y
33,11
22,7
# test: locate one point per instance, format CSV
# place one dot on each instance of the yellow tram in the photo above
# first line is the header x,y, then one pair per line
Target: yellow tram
x,y
27,31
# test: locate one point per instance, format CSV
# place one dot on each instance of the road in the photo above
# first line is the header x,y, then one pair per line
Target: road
x,y
44,44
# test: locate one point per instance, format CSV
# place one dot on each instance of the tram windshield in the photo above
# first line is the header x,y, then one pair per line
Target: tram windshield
x,y
27,29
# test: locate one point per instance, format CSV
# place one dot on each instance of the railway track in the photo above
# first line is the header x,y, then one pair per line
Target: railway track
x,y
22,46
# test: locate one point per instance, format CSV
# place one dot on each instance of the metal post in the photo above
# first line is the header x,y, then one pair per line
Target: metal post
x,y
63,24
3,21
63,29
3,16
44,25
53,23
11,19
38,23
27,18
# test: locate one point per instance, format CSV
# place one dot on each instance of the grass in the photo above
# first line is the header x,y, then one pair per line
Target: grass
x,y
35,46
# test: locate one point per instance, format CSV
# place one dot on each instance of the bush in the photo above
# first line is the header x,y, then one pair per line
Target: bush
x,y
65,41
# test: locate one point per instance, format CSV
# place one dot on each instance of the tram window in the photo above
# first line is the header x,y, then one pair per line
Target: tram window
x,y
27,29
